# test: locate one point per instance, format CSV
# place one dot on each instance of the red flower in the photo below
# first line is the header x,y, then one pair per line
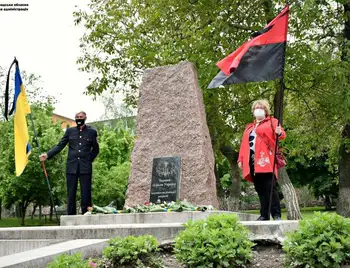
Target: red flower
x,y
92,264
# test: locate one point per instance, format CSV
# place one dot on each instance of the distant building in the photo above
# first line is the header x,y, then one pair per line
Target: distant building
x,y
66,122
128,122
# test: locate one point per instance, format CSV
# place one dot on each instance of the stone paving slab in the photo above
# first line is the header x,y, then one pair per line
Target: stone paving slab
x,y
162,231
155,217
40,257
270,231
8,247
93,238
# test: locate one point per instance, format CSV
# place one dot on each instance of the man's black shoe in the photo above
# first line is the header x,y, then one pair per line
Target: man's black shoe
x,y
277,218
261,218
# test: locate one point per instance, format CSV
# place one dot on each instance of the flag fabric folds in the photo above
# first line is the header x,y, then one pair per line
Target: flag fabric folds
x,y
259,59
20,109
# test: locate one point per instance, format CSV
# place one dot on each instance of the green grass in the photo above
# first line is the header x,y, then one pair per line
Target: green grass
x,y
306,213
15,222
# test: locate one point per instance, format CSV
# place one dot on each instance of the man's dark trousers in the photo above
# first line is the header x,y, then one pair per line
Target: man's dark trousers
x,y
85,191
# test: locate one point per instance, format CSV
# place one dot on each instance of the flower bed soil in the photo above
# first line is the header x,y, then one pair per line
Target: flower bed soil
x,y
265,256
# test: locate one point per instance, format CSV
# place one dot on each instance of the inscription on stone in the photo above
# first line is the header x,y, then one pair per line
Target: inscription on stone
x,y
165,179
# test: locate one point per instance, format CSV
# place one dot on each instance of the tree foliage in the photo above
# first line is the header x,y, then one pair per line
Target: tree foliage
x,y
124,38
31,186
112,166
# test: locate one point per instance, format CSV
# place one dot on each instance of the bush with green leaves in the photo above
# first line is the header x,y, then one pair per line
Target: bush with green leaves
x,y
218,241
69,261
132,251
323,241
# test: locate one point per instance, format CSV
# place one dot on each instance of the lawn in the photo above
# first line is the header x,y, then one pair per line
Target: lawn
x,y
15,222
306,213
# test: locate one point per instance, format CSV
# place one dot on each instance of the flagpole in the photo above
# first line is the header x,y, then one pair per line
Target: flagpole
x,y
44,167
279,118
7,113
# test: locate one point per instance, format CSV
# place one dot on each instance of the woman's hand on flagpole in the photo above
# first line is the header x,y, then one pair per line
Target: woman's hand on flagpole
x,y
278,130
43,157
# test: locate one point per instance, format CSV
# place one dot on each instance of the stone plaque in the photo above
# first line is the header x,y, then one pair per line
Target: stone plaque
x,y
165,185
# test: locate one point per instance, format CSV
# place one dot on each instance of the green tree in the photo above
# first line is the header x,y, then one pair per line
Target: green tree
x,y
316,71
112,167
343,206
30,186
201,32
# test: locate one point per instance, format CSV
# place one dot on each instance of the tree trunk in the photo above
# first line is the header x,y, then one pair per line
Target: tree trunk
x,y
343,203
292,205
34,209
233,201
51,212
219,191
40,212
235,189
17,211
23,209
327,203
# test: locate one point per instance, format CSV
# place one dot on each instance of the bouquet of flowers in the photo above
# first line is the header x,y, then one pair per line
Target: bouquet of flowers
x,y
177,206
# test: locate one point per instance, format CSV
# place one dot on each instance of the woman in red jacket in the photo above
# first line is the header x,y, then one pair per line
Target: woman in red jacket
x,y
256,157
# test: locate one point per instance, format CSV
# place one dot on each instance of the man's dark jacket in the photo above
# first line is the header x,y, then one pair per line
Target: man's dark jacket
x,y
83,149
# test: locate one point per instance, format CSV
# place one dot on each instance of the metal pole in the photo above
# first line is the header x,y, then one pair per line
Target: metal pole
x,y
279,116
44,168
276,145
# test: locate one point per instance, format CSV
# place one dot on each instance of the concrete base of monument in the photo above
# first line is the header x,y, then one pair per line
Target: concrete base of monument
x,y
8,247
155,217
91,239
40,257
162,231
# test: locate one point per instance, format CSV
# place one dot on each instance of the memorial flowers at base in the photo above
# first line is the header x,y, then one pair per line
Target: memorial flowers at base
x,y
177,206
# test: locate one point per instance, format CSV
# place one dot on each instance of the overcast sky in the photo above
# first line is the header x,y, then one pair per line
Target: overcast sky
x,y
46,43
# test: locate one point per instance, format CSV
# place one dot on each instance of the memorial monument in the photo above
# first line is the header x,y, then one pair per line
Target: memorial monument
x,y
171,122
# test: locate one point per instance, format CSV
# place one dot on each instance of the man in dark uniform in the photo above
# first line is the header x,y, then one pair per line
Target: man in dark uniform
x,y
83,149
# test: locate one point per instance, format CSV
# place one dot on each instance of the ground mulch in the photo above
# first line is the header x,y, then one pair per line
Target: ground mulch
x,y
265,256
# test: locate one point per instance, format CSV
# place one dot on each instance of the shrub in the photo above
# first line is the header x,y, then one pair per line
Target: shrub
x,y
219,241
69,261
133,251
323,241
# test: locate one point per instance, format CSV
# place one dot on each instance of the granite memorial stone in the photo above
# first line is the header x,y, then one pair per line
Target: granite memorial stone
x,y
171,121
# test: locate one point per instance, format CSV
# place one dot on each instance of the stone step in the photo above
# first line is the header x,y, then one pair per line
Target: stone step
x,y
91,239
8,247
162,231
155,217
42,256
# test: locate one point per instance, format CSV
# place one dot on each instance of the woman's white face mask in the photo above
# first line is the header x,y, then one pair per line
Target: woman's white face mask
x,y
259,113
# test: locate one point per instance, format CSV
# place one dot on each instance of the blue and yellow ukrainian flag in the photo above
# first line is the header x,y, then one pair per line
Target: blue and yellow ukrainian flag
x,y
21,108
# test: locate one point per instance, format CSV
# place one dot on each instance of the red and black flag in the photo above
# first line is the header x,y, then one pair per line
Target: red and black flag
x,y
259,59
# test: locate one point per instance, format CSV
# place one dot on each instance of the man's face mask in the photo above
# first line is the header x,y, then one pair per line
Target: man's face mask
x,y
80,121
